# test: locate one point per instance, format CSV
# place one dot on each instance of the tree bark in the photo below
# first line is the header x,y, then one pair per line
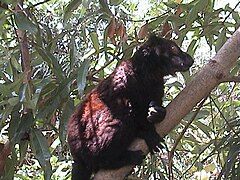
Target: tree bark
x,y
213,73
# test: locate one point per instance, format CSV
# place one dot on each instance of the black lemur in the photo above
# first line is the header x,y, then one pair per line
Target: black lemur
x,y
115,112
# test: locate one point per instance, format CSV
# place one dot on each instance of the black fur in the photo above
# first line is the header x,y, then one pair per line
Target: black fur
x,y
116,111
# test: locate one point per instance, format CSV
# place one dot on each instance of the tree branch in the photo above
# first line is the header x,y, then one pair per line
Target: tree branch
x,y
25,55
201,85
232,79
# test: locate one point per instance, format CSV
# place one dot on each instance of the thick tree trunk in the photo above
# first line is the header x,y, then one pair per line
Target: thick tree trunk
x,y
215,72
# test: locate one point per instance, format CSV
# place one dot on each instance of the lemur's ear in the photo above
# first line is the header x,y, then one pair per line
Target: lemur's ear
x,y
152,37
154,42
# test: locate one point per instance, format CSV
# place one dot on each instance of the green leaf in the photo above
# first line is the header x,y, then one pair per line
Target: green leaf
x,y
24,93
13,101
236,17
25,122
16,64
95,41
232,160
81,76
176,21
211,29
73,51
5,90
221,39
10,167
70,8
14,122
51,61
66,113
187,76
44,55
10,2
41,151
198,7
40,146
47,87
86,3
192,47
155,23
210,167
105,7
55,99
128,50
206,129
115,2
42,88
171,4
56,67
24,23
23,147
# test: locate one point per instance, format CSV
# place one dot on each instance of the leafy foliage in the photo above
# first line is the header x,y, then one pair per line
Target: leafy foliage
x,y
75,44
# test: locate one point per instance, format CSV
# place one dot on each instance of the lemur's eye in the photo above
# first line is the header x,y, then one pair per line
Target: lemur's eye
x,y
174,49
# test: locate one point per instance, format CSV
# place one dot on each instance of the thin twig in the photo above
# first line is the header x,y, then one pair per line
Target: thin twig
x,y
147,20
231,12
37,4
231,79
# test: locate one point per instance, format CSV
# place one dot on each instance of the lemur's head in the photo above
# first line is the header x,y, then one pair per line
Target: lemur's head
x,y
165,55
